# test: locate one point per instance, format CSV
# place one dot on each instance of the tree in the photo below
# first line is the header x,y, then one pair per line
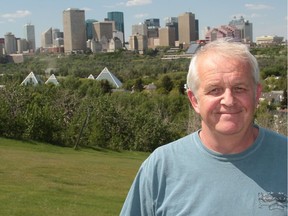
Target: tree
x,y
105,86
138,86
167,83
13,102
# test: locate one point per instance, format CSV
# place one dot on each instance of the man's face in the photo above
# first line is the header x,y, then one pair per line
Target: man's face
x,y
227,95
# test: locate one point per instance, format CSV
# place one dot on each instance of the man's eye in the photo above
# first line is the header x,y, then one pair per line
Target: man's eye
x,y
239,89
215,91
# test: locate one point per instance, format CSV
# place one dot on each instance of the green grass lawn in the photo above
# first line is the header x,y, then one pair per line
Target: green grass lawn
x,y
40,179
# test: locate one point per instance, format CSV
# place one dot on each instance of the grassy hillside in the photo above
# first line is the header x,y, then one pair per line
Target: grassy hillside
x,y
39,179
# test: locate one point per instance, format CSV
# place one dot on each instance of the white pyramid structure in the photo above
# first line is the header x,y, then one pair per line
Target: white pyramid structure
x,y
111,78
52,79
91,76
30,79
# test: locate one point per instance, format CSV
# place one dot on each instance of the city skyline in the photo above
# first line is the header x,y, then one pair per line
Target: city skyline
x,y
268,17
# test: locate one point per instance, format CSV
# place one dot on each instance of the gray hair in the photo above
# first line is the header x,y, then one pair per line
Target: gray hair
x,y
226,48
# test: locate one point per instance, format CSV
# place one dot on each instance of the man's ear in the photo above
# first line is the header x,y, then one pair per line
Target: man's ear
x,y
258,93
193,101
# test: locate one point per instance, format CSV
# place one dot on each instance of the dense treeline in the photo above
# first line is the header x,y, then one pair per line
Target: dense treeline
x,y
83,112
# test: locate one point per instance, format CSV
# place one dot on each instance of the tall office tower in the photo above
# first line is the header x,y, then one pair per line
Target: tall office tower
x,y
59,42
104,30
153,25
196,29
2,46
22,45
120,36
138,42
118,18
29,35
172,22
167,36
152,22
74,30
153,32
140,29
245,27
89,28
50,37
56,34
10,43
186,24
46,38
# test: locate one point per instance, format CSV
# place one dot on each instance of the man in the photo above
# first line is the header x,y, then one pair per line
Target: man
x,y
230,166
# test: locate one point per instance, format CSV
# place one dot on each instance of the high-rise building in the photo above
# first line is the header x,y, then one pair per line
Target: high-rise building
x,y
138,43
94,45
46,38
74,30
29,35
153,25
196,29
118,18
22,45
89,28
10,43
2,46
50,37
59,42
140,29
103,30
172,22
153,32
167,36
186,28
244,26
56,34
152,22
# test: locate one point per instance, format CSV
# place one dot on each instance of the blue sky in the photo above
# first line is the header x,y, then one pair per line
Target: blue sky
x,y
269,17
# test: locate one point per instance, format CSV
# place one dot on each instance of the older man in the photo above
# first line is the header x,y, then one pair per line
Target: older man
x,y
228,167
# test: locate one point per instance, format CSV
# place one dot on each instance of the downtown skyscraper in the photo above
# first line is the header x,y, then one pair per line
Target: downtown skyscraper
x,y
29,35
74,30
118,18
187,29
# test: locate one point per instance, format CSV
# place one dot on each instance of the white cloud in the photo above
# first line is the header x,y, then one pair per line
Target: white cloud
x,y
257,6
17,14
11,20
140,16
137,2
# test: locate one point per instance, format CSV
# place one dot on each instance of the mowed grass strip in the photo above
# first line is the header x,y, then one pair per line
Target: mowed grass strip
x,y
40,179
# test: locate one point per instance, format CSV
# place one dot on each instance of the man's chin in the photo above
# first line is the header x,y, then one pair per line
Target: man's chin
x,y
228,129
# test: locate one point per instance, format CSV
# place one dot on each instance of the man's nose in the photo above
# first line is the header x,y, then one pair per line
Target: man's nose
x,y
227,98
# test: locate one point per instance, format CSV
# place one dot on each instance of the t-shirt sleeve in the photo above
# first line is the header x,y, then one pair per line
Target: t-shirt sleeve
x,y
139,200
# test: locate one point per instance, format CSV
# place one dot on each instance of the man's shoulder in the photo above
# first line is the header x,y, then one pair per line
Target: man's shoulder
x,y
270,135
179,148
274,143
176,153
179,144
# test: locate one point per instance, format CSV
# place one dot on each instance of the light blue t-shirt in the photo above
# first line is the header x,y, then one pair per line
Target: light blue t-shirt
x,y
186,178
